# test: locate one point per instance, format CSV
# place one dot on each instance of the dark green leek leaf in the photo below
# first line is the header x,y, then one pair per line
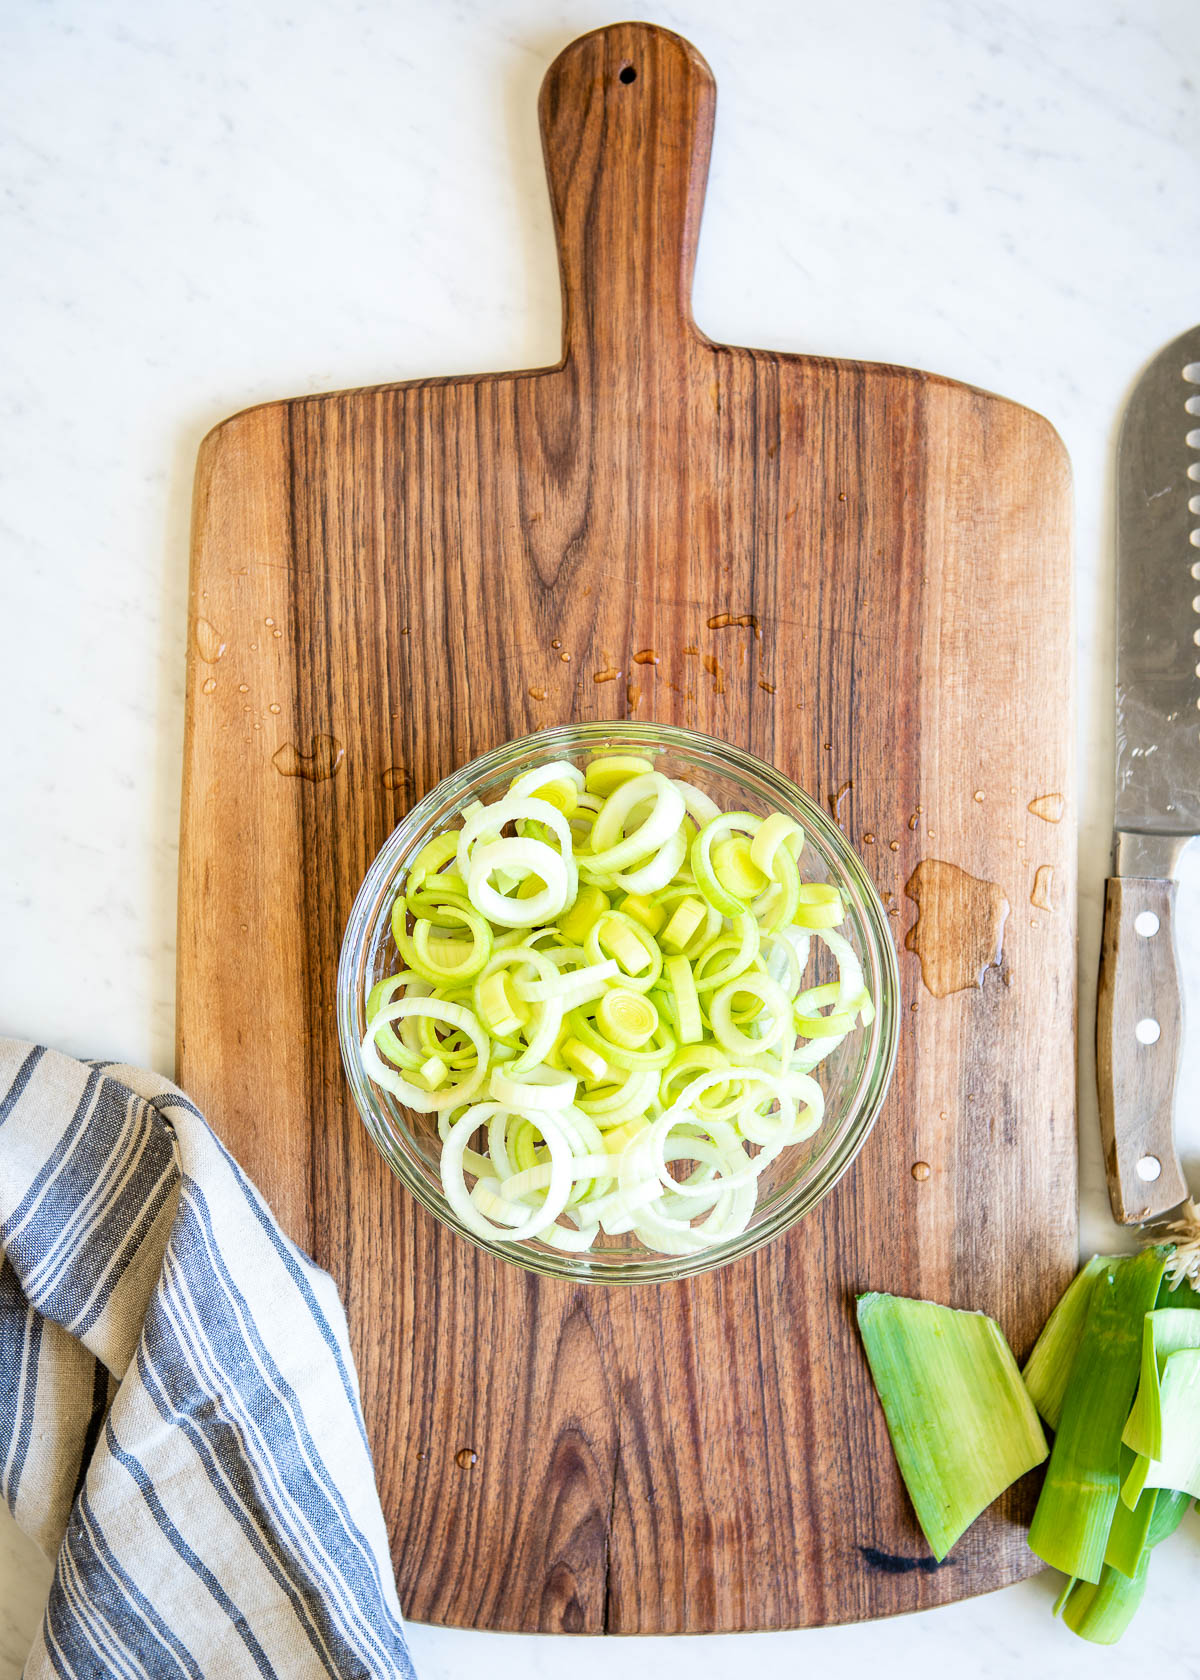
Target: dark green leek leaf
x,y
1079,1496
1048,1367
1102,1612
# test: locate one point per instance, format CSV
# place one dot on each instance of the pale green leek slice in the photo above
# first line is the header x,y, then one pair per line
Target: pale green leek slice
x,y
1177,1465
1166,1331
962,1424
1048,1367
1079,1496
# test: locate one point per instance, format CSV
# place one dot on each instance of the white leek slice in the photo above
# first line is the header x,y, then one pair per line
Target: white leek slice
x,y
542,1091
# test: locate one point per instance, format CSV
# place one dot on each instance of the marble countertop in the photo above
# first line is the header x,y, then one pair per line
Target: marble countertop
x,y
208,206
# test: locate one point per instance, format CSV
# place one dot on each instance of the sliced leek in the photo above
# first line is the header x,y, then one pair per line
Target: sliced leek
x,y
602,998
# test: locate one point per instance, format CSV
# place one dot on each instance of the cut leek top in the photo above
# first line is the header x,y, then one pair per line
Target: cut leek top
x,y
602,995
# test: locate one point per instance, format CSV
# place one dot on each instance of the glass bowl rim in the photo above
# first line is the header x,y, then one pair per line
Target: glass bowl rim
x,y
837,852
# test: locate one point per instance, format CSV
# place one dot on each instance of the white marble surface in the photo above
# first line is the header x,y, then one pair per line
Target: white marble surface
x,y
211,205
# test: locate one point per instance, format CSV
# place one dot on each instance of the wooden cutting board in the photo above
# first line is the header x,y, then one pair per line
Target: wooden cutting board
x,y
860,573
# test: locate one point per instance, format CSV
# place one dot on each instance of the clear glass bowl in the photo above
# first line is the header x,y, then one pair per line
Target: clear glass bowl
x,y
855,1077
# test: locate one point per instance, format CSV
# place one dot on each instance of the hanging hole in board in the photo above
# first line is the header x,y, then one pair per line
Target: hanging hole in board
x,y
627,74
1146,923
1192,373
1148,1168
1147,1031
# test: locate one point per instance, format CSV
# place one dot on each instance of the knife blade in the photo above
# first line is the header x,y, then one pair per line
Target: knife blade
x,y
1139,1020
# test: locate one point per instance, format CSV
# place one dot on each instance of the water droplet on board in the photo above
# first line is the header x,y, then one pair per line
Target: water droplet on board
x,y
978,797
253,647
1048,806
893,845
920,1169
243,688
713,666
1043,887
208,685
404,629
608,674
465,1457
422,1455
315,766
395,776
959,931
868,839
556,643
725,621
565,657
841,495
537,693
767,688
268,622
914,819
645,656
209,645
632,695
275,707
835,799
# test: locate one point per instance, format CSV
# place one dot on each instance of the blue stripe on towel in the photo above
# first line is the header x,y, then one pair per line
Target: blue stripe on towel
x,y
63,1149
186,1553
16,1090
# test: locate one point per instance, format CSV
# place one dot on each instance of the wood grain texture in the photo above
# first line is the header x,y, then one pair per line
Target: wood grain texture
x,y
1139,981
707,1455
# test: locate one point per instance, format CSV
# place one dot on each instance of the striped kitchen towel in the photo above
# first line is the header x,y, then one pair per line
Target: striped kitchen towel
x,y
179,1414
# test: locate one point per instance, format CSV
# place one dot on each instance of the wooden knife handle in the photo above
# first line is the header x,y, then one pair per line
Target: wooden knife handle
x,y
1139,1034
627,116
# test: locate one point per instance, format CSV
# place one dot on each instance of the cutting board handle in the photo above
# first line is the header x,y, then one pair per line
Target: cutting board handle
x,y
627,115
